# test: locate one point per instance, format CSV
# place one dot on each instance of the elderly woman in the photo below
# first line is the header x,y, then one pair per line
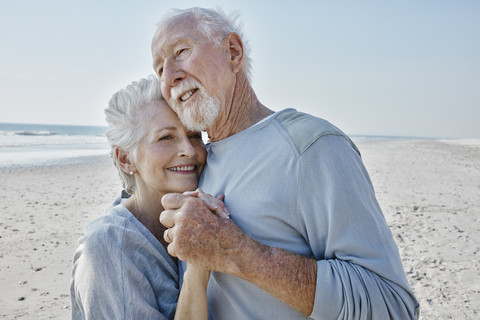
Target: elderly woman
x,y
121,269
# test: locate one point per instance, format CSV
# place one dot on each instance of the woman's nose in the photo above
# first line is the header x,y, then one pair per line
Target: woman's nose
x,y
186,149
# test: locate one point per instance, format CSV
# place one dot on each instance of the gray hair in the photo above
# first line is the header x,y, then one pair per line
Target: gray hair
x,y
124,116
216,25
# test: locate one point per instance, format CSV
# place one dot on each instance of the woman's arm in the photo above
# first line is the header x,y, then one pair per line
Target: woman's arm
x,y
192,302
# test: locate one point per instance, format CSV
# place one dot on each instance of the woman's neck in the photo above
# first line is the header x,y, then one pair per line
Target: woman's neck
x,y
148,213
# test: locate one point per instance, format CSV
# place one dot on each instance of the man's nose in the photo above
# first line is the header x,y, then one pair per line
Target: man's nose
x,y
172,74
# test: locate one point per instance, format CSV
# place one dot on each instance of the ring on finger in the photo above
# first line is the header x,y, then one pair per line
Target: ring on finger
x,y
166,236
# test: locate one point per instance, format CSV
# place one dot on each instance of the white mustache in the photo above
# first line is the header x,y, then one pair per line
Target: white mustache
x,y
184,86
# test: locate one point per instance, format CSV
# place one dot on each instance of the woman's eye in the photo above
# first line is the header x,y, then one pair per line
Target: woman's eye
x,y
196,136
167,137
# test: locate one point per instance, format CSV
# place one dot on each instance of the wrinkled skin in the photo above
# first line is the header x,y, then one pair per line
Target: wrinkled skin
x,y
199,236
212,242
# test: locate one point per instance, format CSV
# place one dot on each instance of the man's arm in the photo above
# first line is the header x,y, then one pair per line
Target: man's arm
x,y
285,275
215,243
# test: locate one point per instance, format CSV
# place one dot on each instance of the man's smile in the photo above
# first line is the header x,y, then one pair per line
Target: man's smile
x,y
187,95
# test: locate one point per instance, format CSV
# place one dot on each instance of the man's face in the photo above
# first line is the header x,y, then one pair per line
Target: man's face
x,y
196,77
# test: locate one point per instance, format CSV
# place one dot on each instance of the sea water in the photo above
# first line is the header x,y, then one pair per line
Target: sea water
x,y
24,145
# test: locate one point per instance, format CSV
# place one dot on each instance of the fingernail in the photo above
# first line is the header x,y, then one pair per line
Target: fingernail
x,y
226,213
225,216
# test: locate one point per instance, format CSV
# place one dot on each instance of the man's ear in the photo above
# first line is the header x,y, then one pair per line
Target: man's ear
x,y
235,47
124,161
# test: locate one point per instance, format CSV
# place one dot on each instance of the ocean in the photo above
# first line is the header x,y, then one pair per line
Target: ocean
x,y
24,145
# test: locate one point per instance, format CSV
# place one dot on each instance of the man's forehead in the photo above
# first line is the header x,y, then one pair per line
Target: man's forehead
x,y
174,30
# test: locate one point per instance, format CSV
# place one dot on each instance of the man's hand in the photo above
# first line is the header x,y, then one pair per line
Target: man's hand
x,y
199,231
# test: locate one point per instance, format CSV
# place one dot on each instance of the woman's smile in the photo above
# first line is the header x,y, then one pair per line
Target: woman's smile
x,y
184,169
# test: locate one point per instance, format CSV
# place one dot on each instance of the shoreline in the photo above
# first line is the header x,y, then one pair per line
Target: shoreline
x,y
429,191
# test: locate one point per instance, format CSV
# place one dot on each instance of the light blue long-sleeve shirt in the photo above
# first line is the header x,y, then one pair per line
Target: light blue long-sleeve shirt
x,y
297,182
121,271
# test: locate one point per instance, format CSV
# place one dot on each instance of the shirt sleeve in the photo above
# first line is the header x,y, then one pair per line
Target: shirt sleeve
x,y
359,271
107,282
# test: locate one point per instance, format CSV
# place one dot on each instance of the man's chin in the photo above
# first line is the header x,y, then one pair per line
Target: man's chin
x,y
193,120
196,116
193,126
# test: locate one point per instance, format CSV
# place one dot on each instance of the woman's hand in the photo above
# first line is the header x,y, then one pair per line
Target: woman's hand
x,y
192,302
215,204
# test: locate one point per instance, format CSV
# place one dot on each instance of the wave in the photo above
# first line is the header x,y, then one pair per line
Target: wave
x,y
15,129
47,138
34,133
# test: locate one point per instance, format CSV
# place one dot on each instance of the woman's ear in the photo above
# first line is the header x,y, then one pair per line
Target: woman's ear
x,y
124,161
235,47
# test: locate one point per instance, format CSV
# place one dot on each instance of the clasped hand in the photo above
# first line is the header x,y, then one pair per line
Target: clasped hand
x,y
199,229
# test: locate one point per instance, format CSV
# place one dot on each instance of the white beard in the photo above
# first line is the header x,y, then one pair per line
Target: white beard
x,y
202,113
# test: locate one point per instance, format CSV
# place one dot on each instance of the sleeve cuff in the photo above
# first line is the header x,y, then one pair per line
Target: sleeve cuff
x,y
328,294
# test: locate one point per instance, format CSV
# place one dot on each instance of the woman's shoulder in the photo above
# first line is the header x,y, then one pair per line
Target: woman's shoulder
x,y
118,237
118,232
110,228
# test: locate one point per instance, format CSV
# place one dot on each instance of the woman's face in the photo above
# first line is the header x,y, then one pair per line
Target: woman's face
x,y
169,158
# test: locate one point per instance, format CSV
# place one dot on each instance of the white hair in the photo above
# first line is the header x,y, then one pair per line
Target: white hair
x,y
126,122
216,25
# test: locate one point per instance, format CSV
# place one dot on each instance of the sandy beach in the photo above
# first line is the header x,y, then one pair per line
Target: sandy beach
x,y
429,191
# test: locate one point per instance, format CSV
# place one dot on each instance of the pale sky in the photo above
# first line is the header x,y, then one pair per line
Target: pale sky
x,y
400,68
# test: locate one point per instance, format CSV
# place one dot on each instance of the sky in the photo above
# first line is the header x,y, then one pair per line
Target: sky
x,y
395,68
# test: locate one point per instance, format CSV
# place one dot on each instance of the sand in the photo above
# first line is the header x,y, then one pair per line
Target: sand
x,y
43,213
429,191
430,194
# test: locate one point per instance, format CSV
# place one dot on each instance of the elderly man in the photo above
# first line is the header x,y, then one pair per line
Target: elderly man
x,y
306,237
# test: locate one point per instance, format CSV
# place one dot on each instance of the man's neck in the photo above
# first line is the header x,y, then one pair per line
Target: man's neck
x,y
244,111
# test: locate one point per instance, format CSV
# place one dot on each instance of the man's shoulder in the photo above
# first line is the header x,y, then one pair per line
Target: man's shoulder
x,y
304,129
